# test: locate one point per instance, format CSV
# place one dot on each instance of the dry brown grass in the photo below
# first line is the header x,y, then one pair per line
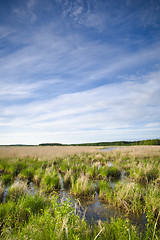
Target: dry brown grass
x,y
51,152
134,152
43,152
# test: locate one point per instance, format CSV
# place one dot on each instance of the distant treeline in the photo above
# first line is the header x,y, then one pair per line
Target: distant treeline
x,y
51,144
117,143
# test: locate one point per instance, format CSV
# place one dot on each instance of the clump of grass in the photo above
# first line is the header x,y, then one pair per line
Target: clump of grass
x,y
50,182
1,168
92,171
7,179
17,189
67,179
152,174
103,172
83,187
105,191
5,210
27,173
144,173
64,167
113,173
17,166
38,176
130,196
4,165
110,172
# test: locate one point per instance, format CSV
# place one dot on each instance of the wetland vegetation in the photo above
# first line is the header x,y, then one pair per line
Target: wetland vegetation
x,y
126,179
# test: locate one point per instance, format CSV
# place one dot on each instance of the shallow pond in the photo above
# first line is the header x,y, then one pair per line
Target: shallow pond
x,y
31,189
95,210
109,149
92,210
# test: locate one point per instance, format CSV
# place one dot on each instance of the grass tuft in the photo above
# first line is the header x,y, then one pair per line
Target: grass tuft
x,y
50,182
17,189
83,187
130,196
7,179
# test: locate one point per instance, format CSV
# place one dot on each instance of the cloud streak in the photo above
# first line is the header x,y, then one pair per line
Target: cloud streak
x,y
113,107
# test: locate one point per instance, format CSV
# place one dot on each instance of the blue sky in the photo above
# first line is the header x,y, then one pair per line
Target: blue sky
x,y
79,71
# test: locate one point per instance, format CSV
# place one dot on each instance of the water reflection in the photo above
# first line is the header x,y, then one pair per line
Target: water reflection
x,y
5,193
108,149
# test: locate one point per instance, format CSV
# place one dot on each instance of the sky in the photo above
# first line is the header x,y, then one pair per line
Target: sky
x,y
75,71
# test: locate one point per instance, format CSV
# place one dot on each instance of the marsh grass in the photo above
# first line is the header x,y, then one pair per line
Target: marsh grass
x,y
7,179
50,182
105,191
138,192
83,187
17,189
43,152
92,171
39,173
129,195
109,172
152,200
144,172
16,167
15,215
32,219
27,174
68,179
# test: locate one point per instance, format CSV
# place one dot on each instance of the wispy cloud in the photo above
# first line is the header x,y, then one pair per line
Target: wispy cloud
x,y
73,68
83,14
80,62
117,106
26,12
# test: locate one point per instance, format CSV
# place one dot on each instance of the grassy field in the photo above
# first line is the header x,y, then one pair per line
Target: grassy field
x,y
127,178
